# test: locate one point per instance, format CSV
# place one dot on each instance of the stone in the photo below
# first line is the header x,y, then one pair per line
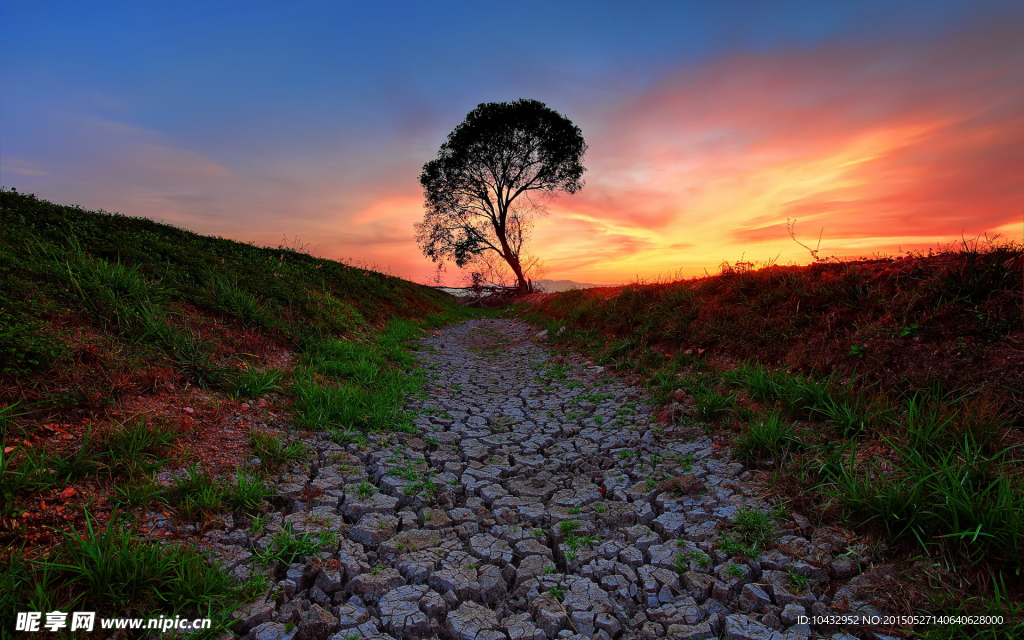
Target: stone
x,y
253,615
492,584
316,624
403,613
510,456
461,581
701,631
270,631
791,614
698,585
521,627
371,586
329,580
753,599
741,627
373,529
607,623
670,525
490,549
531,567
354,507
473,621
844,568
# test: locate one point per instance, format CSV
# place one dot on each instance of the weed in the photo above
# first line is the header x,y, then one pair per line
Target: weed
x,y
710,405
568,526
116,570
195,493
132,447
286,547
798,581
257,525
734,545
755,527
770,437
228,296
138,494
247,493
271,451
365,489
252,383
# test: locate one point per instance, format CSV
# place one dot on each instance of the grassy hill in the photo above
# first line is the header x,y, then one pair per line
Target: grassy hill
x,y
886,395
129,347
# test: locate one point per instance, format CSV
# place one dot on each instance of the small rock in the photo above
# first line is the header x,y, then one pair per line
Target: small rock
x,y
316,624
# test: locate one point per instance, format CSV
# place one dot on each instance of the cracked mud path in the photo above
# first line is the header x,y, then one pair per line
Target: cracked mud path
x,y
532,506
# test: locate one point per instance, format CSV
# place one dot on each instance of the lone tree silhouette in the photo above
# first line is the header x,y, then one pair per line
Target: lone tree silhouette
x,y
502,151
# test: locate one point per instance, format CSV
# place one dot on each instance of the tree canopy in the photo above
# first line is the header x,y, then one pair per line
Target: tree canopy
x,y
477,190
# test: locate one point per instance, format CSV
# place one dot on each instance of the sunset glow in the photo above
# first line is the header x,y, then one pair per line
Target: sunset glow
x,y
880,142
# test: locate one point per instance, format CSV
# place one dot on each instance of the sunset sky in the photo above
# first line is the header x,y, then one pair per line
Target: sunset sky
x,y
883,125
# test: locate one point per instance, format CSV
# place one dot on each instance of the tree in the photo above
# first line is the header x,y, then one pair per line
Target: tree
x,y
478,188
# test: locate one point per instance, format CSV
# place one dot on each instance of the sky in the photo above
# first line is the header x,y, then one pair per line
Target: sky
x,y
880,126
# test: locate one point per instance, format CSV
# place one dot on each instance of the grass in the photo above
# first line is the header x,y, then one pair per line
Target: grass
x,y
195,494
140,493
711,406
252,383
135,446
272,451
769,436
955,494
248,493
111,569
286,547
359,386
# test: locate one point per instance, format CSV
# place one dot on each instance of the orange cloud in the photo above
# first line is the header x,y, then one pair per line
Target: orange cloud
x,y
879,144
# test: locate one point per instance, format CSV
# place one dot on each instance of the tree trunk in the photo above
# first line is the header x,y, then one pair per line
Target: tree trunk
x,y
522,284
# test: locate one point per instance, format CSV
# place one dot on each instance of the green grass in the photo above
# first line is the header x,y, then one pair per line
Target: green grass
x,y
252,383
227,295
111,570
711,406
961,499
138,493
247,493
136,446
755,526
286,547
196,493
358,386
272,451
770,436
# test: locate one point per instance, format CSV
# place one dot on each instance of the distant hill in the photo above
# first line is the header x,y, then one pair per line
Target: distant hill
x,y
556,286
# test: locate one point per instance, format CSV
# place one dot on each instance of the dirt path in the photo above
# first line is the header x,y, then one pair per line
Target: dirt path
x,y
541,500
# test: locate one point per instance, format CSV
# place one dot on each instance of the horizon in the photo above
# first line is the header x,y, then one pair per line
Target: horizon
x,y
887,128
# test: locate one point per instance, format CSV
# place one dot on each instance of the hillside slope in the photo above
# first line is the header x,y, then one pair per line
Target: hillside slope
x,y
144,366
884,395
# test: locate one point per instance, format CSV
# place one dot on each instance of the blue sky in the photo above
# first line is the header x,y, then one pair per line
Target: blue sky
x,y
260,120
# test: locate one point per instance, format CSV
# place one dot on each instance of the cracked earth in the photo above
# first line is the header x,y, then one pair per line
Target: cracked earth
x,y
540,500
